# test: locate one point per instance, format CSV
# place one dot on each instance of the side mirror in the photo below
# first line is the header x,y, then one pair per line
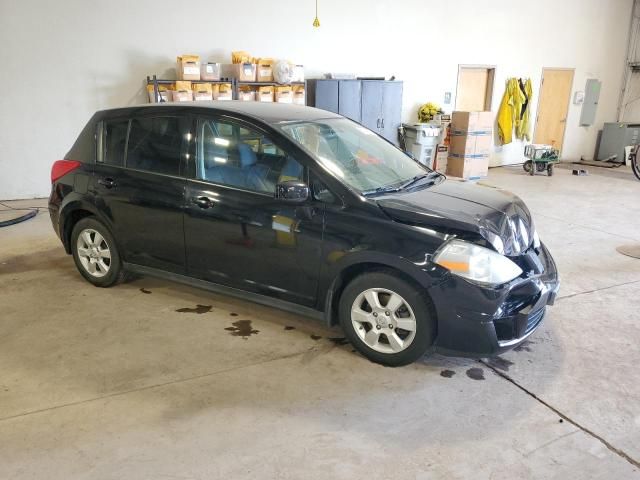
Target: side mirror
x,y
293,191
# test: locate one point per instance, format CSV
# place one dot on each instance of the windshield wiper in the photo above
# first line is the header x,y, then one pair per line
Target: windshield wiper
x,y
417,178
385,189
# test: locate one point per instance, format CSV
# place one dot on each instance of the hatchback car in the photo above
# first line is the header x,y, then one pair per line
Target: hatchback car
x,y
304,210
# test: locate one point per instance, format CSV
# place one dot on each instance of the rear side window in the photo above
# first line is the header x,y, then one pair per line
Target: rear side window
x,y
154,145
114,139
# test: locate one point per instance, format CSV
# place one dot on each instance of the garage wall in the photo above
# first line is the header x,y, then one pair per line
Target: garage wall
x,y
61,61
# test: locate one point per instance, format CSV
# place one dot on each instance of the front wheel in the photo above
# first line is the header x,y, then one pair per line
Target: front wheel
x,y
635,163
387,319
95,253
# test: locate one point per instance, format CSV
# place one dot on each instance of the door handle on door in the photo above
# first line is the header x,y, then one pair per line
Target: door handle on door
x,y
202,202
378,123
382,123
107,182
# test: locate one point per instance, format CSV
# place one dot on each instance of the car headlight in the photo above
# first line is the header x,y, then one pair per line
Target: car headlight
x,y
476,263
536,239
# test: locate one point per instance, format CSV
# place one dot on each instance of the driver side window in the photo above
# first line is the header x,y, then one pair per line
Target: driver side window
x,y
234,155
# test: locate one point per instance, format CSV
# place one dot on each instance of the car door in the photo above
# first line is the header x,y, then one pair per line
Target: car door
x,y
139,186
236,232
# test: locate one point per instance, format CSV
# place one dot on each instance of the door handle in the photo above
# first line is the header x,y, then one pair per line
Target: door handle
x,y
382,123
378,123
107,182
202,202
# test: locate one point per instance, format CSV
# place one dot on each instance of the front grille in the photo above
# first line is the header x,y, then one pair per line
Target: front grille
x,y
534,319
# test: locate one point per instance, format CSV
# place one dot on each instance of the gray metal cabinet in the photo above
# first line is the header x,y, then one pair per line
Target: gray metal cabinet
x,y
391,110
376,104
326,95
371,105
616,136
349,95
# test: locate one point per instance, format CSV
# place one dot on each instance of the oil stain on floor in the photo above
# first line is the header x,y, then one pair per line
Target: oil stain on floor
x,y
499,363
289,327
475,373
242,328
315,337
447,373
199,309
144,290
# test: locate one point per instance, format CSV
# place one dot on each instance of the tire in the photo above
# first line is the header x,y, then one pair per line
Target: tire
x,y
550,170
540,167
390,344
95,253
635,162
527,166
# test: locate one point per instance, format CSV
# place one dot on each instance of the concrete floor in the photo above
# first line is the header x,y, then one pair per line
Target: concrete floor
x,y
120,383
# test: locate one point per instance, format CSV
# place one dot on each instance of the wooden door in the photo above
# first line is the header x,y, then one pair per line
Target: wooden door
x,y
475,89
555,93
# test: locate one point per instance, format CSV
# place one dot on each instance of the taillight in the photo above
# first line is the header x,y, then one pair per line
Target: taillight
x,y
61,167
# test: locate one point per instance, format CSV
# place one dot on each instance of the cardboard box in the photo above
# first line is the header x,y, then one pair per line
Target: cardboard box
x,y
243,72
298,73
264,94
188,67
222,91
469,167
284,94
264,69
182,85
182,95
246,94
299,97
465,122
474,143
202,91
441,157
210,71
163,92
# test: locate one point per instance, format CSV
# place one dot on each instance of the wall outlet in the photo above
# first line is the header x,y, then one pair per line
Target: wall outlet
x,y
447,98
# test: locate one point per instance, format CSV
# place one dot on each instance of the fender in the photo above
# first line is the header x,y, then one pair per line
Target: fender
x,y
74,204
422,271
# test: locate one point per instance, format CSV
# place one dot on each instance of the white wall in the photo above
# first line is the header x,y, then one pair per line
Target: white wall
x,y
61,61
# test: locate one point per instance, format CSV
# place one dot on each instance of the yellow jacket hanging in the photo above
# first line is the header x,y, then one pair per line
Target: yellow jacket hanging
x,y
523,124
509,111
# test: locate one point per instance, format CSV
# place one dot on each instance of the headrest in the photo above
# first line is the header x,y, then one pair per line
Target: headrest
x,y
248,157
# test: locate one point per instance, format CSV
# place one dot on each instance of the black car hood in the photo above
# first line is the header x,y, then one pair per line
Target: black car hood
x,y
497,215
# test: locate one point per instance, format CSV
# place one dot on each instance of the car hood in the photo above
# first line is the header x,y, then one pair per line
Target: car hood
x,y
497,215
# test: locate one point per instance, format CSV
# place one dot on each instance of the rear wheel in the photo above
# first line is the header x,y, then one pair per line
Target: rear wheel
x,y
550,170
528,165
95,253
387,319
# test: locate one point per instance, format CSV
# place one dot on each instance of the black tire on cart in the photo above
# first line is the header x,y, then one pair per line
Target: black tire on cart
x,y
540,167
528,165
550,170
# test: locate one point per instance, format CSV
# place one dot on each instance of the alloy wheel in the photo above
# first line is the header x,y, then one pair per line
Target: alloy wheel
x,y
383,320
93,252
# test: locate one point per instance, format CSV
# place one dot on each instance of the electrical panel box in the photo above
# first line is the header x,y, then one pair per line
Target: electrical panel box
x,y
590,104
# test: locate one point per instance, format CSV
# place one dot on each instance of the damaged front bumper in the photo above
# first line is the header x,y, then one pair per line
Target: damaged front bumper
x,y
484,321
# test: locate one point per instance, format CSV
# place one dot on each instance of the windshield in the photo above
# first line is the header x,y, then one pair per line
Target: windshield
x,y
359,157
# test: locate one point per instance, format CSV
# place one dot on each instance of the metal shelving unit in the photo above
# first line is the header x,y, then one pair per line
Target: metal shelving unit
x,y
155,81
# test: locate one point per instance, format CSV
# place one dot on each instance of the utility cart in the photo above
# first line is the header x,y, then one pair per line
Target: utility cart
x,y
540,158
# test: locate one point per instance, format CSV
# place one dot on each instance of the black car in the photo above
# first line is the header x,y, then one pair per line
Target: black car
x,y
305,210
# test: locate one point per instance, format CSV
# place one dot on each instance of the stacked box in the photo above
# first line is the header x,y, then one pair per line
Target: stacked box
x,y
470,144
188,67
243,72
